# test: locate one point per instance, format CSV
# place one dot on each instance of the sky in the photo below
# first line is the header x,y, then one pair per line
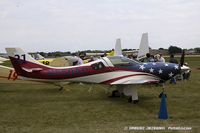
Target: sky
x,y
72,25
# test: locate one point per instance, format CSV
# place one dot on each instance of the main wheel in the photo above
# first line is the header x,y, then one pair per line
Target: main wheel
x,y
115,93
135,101
130,99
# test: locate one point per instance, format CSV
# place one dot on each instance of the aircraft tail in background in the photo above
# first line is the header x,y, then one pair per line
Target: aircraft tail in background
x,y
118,48
144,47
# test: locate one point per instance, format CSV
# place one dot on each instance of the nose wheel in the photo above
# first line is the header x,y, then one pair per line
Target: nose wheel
x,y
61,88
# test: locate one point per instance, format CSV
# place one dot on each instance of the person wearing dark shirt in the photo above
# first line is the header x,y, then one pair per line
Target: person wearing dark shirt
x,y
148,58
173,60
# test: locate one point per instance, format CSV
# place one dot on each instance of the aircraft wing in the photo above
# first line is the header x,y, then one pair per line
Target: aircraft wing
x,y
7,73
139,79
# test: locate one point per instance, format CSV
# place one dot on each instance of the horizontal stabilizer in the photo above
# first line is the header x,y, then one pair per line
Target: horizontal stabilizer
x,y
32,69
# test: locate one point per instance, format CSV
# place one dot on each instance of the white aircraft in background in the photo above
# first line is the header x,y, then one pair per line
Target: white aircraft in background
x,y
2,60
143,47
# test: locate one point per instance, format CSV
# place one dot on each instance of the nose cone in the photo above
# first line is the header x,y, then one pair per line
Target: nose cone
x,y
184,69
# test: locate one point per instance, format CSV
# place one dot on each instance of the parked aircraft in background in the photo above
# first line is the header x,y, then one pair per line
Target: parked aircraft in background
x,y
8,73
3,60
116,70
141,52
144,47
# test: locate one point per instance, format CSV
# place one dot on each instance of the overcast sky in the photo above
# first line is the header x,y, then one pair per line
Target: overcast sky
x,y
72,25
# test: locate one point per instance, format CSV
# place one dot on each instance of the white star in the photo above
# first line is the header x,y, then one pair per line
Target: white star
x,y
171,74
142,67
153,63
176,66
160,71
151,70
166,65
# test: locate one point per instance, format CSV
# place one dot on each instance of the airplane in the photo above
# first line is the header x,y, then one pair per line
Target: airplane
x,y
8,73
118,49
2,60
120,71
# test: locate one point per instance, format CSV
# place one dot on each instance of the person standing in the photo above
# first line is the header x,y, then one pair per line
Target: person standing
x,y
173,60
161,58
148,58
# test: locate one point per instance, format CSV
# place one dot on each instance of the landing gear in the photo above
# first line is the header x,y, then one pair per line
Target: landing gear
x,y
61,88
132,101
115,93
123,91
135,101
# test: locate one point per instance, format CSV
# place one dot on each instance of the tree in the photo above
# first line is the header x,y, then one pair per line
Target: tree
x,y
42,53
161,49
197,50
174,50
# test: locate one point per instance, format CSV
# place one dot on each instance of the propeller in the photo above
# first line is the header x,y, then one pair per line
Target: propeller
x,y
182,58
183,67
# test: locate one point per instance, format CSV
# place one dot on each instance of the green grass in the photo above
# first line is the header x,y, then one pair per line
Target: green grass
x,y
41,108
7,63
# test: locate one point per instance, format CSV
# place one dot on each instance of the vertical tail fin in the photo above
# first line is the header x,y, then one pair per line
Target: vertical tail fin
x,y
118,48
20,54
23,62
144,46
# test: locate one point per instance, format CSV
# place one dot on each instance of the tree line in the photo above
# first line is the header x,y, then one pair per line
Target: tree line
x,y
171,50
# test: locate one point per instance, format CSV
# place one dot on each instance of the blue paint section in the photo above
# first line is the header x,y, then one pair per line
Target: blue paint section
x,y
163,70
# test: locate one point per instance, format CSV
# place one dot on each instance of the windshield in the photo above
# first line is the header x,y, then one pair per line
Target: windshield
x,y
118,60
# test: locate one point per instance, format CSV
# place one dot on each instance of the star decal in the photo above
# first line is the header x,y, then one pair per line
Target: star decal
x,y
166,65
151,70
176,66
171,74
160,71
142,67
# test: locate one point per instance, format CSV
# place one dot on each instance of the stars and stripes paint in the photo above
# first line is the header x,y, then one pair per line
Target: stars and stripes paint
x,y
162,70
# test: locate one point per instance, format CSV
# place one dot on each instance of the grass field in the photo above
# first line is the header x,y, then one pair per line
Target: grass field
x,y
41,108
